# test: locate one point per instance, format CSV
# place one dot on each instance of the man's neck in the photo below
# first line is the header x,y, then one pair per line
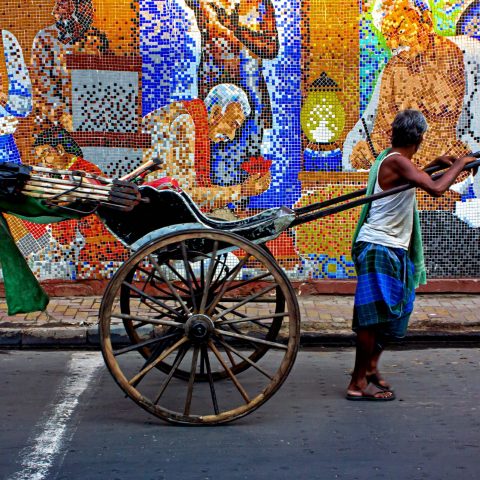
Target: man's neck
x,y
407,152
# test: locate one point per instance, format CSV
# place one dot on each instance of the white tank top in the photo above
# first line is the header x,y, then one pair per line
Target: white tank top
x,y
390,219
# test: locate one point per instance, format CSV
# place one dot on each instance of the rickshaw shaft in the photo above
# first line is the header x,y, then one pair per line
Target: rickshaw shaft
x,y
317,210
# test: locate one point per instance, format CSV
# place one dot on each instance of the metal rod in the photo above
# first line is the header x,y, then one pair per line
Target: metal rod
x,y
318,209
69,197
71,183
349,196
76,173
142,169
51,189
46,187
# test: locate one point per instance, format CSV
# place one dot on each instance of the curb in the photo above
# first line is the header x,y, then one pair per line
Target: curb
x,y
88,337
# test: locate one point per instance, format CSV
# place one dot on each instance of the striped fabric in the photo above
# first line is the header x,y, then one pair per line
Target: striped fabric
x,y
385,289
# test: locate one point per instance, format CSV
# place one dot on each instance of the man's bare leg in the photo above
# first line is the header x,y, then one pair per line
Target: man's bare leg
x,y
365,355
372,373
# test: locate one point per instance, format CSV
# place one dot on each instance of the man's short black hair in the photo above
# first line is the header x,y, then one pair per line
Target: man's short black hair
x,y
58,136
408,128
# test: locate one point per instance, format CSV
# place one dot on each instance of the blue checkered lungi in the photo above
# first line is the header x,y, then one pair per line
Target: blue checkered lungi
x,y
385,289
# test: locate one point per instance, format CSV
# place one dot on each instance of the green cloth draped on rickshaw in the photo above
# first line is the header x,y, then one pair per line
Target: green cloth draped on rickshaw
x,y
22,290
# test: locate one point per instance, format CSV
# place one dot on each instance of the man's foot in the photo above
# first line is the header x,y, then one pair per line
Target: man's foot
x,y
378,381
371,392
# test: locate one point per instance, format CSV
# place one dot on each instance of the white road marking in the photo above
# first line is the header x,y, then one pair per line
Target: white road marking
x,y
38,457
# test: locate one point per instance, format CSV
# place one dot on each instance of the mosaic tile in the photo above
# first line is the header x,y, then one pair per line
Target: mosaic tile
x,y
250,104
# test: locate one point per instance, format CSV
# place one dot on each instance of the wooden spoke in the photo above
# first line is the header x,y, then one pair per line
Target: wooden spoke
x,y
241,315
139,324
149,275
219,277
164,355
169,285
250,280
245,358
229,355
253,319
157,351
235,329
162,313
211,268
232,325
166,292
154,300
154,321
226,281
191,381
181,354
162,279
146,343
154,284
252,339
235,381
245,301
187,273
202,274
210,379
178,275
188,267
239,299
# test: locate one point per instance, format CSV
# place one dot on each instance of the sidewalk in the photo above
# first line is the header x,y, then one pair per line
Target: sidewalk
x,y
326,319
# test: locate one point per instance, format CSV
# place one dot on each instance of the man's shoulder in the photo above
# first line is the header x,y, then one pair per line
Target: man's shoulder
x,y
396,157
396,161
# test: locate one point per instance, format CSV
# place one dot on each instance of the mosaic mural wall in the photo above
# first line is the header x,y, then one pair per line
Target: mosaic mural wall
x,y
250,104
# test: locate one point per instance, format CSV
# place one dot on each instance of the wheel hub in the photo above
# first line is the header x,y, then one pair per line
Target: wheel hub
x,y
199,327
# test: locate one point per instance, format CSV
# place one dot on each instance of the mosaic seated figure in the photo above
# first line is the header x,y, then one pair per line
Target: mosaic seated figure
x,y
428,72
182,134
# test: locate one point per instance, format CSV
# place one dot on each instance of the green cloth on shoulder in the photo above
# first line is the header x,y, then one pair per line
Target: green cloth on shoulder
x,y
22,290
416,245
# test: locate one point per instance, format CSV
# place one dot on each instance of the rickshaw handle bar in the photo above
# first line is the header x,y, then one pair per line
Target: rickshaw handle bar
x,y
319,210
142,169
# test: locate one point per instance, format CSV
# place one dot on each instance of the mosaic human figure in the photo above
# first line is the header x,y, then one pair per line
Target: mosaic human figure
x,y
72,32
237,36
182,134
55,148
427,73
17,103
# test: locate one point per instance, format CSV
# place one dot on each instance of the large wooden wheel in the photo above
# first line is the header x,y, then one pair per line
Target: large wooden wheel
x,y
199,327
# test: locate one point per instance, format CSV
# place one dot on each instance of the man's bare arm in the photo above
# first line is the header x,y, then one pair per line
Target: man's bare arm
x,y
406,172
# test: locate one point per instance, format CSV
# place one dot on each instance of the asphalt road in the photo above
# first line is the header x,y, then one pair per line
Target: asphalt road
x,y
63,417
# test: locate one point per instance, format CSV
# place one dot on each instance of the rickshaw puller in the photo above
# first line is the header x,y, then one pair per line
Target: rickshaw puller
x,y
388,253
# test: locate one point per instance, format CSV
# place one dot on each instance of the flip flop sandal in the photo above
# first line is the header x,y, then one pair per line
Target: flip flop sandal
x,y
370,393
373,378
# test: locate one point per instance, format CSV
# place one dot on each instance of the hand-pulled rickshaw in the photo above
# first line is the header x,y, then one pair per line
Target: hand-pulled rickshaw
x,y
200,325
